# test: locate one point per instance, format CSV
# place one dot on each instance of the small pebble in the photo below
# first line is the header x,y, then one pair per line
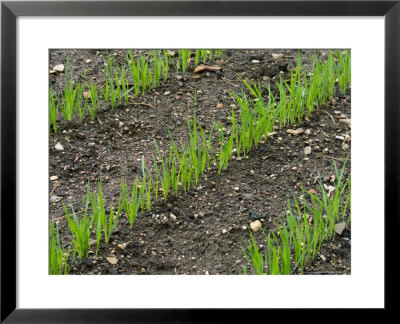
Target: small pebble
x,y
59,147
307,150
256,225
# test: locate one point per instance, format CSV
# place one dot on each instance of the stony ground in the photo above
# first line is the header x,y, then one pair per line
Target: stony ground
x,y
201,231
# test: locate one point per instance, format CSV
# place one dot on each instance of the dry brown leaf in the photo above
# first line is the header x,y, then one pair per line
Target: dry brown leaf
x,y
202,67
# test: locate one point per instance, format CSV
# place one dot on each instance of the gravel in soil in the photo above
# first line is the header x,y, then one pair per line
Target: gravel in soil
x,y
203,230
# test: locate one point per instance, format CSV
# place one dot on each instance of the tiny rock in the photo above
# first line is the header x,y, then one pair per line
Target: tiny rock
x,y
55,198
307,132
346,122
166,93
236,188
53,178
220,105
345,147
59,147
339,228
172,217
277,56
292,132
122,246
52,72
322,257
88,61
224,231
59,68
312,191
143,270
307,150
255,61
340,138
256,225
112,260
300,131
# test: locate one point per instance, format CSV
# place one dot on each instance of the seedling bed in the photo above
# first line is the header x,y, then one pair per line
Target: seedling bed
x,y
202,230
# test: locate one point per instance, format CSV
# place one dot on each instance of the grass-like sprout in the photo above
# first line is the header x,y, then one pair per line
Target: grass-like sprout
x,y
254,257
68,106
131,201
343,70
82,102
104,222
80,229
53,110
58,255
134,71
225,148
93,94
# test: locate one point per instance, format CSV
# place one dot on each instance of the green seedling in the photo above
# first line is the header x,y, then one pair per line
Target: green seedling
x,y
105,223
53,110
80,229
131,201
59,262
93,94
254,257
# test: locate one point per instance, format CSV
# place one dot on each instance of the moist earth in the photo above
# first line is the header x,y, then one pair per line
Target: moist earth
x,y
201,231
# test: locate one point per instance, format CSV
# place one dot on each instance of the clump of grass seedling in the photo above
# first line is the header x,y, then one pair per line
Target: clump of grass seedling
x,y
276,260
53,110
131,201
80,229
225,148
336,203
58,255
343,70
254,257
134,72
93,94
104,222
69,100
82,102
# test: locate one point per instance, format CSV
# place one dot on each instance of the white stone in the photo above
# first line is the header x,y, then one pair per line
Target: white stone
x,y
112,260
256,225
59,68
59,147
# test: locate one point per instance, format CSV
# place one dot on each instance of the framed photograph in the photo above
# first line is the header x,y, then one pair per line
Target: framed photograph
x,y
183,161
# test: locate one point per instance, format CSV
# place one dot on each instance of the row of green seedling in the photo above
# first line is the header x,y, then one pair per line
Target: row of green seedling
x,y
305,228
142,72
300,95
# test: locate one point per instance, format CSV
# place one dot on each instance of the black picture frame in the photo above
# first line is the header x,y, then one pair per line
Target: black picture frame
x,y
10,10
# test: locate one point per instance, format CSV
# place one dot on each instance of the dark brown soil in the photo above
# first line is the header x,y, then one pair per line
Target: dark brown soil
x,y
212,220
